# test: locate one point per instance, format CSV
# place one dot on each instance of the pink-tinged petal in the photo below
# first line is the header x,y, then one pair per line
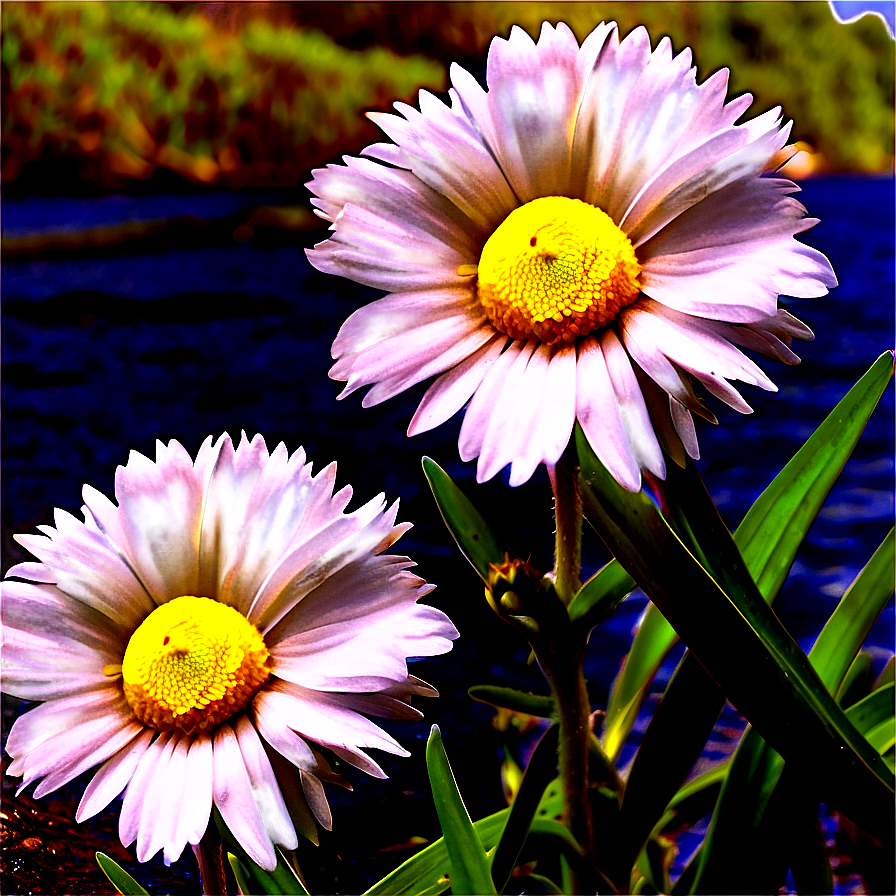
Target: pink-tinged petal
x,y
230,488
158,811
265,789
377,251
325,719
315,558
354,632
657,366
558,407
478,414
684,426
113,776
317,800
447,153
598,413
286,507
398,313
631,403
451,391
359,759
731,255
532,101
412,356
501,442
393,195
698,346
236,802
197,797
63,738
83,563
157,522
54,646
139,789
284,740
530,425
696,175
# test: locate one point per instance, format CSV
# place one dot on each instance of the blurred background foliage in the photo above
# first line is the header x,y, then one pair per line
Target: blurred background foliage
x,y
108,95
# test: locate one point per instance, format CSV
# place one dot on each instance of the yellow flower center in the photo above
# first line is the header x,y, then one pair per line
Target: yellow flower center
x,y
192,664
556,268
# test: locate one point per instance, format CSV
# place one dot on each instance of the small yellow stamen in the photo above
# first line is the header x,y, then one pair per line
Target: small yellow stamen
x,y
556,268
192,664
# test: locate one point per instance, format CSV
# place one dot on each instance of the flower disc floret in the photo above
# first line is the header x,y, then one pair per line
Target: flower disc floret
x,y
556,268
192,664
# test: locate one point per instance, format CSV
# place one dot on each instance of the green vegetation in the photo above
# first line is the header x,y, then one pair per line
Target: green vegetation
x,y
257,94
120,89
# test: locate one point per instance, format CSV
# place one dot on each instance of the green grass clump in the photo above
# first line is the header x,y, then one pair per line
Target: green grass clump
x,y
118,90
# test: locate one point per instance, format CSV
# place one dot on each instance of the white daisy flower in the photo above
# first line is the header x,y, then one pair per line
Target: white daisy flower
x,y
579,242
200,639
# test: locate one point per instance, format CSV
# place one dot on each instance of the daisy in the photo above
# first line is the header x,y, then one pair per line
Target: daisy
x,y
202,638
581,241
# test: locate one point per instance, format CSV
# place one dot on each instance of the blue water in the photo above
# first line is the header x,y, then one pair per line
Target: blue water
x,y
107,353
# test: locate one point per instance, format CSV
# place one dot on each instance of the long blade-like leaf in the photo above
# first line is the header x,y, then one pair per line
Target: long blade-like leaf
x,y
772,682
509,698
768,538
600,595
472,533
118,877
540,771
470,873
756,768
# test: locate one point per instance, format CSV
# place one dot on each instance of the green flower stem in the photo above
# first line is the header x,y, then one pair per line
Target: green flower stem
x,y
568,534
210,856
562,660
565,673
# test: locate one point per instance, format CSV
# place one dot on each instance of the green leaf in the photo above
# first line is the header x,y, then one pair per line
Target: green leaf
x,y
875,709
546,884
118,877
469,866
509,698
651,645
466,525
600,595
673,741
240,875
771,682
540,771
768,538
282,880
756,768
845,632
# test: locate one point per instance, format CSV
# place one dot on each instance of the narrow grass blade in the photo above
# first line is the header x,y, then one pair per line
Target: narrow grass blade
x,y
772,682
600,595
509,698
768,538
470,873
472,533
118,877
540,771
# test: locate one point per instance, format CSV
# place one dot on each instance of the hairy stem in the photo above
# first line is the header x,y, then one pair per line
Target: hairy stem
x,y
210,856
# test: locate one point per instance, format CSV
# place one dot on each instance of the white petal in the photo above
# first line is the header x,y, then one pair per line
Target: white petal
x,y
236,802
451,391
478,415
533,96
447,153
85,564
631,403
54,646
598,413
113,776
139,790
265,788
